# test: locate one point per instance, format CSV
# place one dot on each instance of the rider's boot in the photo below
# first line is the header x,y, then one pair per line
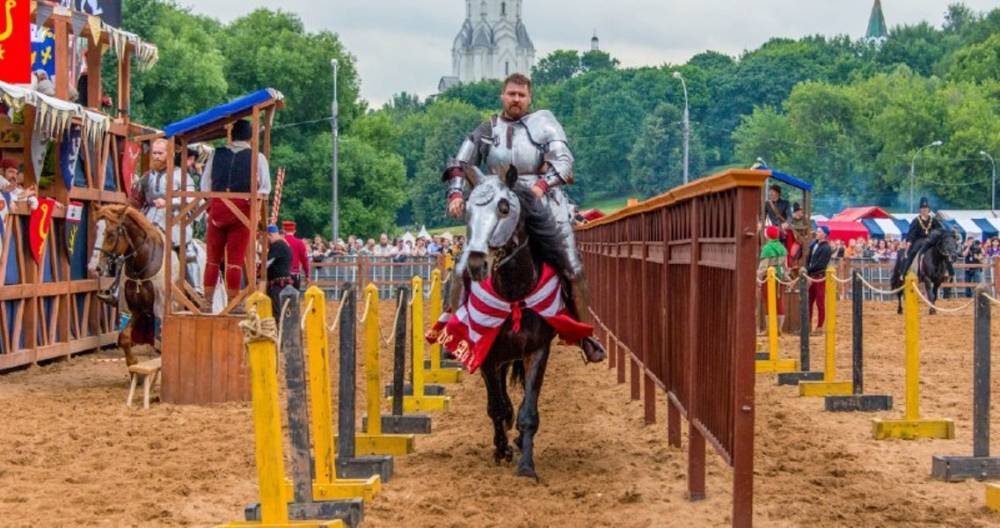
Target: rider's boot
x,y
238,309
593,351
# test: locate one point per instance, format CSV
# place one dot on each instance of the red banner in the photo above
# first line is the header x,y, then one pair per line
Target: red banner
x,y
15,41
39,226
130,159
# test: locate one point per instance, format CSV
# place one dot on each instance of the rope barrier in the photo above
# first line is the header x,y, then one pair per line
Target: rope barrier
x,y
880,291
308,308
991,298
336,320
920,296
395,321
256,330
368,305
284,312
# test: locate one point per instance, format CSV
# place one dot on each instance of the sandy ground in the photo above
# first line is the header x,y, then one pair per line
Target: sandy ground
x,y
73,454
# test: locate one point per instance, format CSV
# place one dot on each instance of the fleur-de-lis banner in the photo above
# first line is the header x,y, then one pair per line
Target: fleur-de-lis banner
x,y
15,41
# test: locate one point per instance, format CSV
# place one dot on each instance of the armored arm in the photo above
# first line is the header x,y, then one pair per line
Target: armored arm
x,y
546,132
470,152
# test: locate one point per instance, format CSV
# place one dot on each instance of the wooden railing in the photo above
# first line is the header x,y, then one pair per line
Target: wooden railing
x,y
673,292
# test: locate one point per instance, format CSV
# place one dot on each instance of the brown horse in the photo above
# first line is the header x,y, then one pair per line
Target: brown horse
x,y
126,236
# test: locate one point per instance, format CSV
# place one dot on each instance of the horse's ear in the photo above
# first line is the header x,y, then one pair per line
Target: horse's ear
x,y
511,179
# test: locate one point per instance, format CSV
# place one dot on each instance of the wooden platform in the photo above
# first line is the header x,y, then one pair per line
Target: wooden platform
x,y
203,360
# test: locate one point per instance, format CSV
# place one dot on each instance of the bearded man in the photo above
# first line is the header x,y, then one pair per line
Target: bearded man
x,y
534,143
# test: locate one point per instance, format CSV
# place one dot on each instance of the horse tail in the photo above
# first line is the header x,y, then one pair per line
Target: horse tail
x,y
517,373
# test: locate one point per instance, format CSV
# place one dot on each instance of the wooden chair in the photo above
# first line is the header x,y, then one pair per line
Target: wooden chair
x,y
149,371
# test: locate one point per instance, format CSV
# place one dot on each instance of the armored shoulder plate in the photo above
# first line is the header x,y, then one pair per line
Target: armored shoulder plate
x,y
544,128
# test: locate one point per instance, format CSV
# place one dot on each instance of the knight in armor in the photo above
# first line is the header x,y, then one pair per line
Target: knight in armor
x,y
534,143
920,230
228,171
149,195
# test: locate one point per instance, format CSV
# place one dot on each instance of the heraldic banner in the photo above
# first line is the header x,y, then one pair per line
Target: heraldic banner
x,y
39,226
15,41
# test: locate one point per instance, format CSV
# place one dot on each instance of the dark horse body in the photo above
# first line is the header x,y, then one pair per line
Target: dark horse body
x,y
931,264
514,274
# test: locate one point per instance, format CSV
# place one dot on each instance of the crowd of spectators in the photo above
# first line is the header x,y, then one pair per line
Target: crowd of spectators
x,y
399,248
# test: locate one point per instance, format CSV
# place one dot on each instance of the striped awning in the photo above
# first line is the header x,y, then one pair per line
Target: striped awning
x,y
873,228
969,227
889,227
988,229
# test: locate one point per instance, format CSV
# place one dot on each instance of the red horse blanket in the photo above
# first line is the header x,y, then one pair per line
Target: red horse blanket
x,y
469,333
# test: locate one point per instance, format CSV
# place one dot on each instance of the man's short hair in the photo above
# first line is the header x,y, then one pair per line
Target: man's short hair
x,y
519,79
242,130
776,189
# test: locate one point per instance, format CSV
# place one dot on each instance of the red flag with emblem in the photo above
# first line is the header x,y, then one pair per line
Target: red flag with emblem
x,y
39,226
15,41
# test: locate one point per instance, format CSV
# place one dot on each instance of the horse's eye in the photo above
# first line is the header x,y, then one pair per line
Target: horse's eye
x,y
503,207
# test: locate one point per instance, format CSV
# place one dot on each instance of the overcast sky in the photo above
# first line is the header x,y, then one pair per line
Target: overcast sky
x,y
405,45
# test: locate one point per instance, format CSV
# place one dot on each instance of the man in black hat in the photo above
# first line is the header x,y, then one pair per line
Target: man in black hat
x,y
777,210
920,229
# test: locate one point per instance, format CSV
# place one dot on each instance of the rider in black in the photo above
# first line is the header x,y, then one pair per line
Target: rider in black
x,y
920,229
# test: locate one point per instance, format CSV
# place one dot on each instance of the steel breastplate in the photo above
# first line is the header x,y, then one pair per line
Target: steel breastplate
x,y
511,146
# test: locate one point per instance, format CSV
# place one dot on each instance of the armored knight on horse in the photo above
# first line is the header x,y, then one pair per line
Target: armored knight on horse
x,y
535,146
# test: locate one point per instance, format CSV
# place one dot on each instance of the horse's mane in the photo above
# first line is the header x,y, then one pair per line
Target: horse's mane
x,y
116,211
545,236
935,236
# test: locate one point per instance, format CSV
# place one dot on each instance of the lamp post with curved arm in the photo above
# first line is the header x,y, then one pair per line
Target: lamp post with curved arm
x,y
993,189
687,125
913,168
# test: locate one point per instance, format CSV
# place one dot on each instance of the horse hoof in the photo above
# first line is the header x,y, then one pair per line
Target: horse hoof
x,y
504,455
526,472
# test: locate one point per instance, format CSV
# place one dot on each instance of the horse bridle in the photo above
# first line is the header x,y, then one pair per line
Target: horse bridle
x,y
121,231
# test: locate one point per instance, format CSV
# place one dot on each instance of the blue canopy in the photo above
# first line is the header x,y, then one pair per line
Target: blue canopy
x,y
989,231
953,225
873,228
903,225
791,180
223,112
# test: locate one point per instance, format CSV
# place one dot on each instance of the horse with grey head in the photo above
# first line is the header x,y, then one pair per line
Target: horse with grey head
x,y
499,249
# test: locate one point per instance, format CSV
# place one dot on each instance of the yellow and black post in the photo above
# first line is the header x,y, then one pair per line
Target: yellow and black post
x,y
829,386
436,370
772,363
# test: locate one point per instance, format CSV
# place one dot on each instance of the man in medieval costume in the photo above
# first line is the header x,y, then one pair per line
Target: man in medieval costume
x,y
228,170
801,229
149,195
772,255
534,143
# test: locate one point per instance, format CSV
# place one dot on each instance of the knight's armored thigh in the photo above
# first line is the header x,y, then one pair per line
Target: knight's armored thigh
x,y
559,208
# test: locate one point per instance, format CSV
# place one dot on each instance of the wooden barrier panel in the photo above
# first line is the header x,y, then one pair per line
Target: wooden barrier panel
x,y
673,282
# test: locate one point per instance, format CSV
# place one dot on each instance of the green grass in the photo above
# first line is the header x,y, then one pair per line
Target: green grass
x,y
605,204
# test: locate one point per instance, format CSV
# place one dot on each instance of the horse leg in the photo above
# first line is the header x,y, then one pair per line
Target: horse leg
x,y
932,291
899,302
125,342
527,416
502,414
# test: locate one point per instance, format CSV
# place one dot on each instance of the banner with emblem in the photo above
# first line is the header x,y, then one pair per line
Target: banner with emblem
x,y
69,154
130,160
74,214
15,41
39,226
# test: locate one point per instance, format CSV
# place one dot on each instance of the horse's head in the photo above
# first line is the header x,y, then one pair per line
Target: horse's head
x,y
493,218
946,242
111,240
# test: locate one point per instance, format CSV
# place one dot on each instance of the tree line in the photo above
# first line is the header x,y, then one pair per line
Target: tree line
x,y
845,114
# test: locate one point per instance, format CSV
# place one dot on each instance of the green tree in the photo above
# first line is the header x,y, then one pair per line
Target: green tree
x,y
657,158
596,60
978,62
556,67
483,95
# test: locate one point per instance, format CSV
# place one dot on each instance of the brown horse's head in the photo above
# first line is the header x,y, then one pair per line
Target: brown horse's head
x,y
116,228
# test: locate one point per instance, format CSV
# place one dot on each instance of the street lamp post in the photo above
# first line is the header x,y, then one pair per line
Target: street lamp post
x,y
913,169
335,213
993,193
687,126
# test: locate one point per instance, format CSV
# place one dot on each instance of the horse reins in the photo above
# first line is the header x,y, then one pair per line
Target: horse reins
x,y
133,248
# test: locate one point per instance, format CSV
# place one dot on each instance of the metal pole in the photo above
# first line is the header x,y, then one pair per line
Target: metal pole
x,y
334,107
993,193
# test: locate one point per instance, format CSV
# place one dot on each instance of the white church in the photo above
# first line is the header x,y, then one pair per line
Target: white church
x,y
492,44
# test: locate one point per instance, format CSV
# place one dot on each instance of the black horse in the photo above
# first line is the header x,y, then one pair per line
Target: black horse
x,y
932,265
500,249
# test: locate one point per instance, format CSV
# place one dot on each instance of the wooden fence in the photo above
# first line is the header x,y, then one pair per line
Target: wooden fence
x,y
674,295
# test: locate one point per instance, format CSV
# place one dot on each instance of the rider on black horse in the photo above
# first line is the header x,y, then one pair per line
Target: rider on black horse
x,y
920,229
535,144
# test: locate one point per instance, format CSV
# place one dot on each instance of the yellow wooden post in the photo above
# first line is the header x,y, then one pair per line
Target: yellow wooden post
x,y
829,386
772,363
371,342
436,308
419,401
993,497
830,370
267,420
437,373
326,485
912,425
912,338
772,315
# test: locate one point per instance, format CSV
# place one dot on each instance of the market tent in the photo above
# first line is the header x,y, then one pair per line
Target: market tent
x,y
819,218
988,229
889,227
903,225
845,231
854,214
873,228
